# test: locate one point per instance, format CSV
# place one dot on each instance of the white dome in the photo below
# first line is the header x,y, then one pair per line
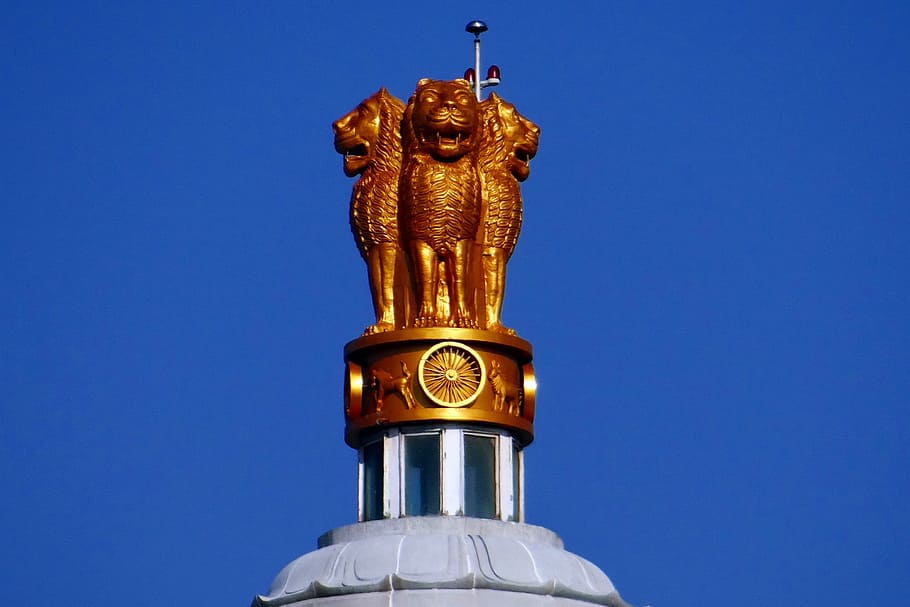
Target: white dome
x,y
440,560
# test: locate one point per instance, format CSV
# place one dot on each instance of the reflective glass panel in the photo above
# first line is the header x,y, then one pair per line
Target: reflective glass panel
x,y
421,474
372,481
480,476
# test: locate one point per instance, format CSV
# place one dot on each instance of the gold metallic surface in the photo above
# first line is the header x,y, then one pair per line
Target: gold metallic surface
x,y
520,349
436,214
509,143
353,391
437,210
506,395
451,374
384,382
529,391
453,380
369,137
440,196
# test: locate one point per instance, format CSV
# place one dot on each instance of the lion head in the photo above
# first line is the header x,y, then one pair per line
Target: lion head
x,y
360,133
442,117
513,136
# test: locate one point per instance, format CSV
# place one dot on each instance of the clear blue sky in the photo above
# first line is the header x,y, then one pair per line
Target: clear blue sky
x,y
713,272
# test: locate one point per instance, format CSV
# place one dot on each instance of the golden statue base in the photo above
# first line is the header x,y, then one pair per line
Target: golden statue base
x,y
438,375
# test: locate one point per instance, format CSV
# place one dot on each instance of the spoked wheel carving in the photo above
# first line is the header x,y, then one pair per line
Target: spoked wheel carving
x,y
451,374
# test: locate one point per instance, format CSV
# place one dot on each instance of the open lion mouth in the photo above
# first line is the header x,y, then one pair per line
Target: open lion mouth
x,y
445,139
358,150
525,151
356,156
351,145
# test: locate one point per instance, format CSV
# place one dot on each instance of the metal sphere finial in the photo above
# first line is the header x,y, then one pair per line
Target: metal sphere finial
x,y
476,27
472,75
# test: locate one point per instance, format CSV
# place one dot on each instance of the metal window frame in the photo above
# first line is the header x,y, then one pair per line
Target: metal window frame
x,y
509,505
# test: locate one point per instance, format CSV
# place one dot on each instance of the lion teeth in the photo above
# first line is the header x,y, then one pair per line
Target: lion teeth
x,y
455,139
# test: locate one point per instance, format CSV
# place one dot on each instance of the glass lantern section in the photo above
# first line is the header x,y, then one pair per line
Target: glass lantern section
x,y
372,481
421,475
448,470
480,476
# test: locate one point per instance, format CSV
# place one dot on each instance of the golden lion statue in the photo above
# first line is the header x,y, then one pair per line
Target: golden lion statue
x,y
369,137
439,179
508,144
440,200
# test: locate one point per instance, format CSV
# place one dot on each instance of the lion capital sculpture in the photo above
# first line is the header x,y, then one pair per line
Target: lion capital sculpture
x,y
440,200
438,180
369,137
509,143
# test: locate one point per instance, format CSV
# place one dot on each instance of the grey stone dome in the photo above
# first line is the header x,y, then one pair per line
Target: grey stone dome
x,y
440,560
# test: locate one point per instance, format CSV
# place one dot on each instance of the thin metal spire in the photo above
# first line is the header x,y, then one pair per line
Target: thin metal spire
x,y
478,27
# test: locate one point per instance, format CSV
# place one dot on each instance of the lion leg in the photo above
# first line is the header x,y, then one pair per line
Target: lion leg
x,y
388,257
494,283
381,269
426,270
375,276
458,285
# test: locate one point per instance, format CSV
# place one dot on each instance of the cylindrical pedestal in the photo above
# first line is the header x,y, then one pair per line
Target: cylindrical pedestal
x,y
439,375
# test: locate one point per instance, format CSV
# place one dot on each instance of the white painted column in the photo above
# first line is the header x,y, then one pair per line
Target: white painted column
x,y
360,484
452,471
504,477
392,471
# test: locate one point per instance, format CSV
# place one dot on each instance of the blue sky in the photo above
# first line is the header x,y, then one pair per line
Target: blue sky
x,y
713,271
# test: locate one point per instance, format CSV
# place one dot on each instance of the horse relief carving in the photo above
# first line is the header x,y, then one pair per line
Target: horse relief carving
x,y
382,383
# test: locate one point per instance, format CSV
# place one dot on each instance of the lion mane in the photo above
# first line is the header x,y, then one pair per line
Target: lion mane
x,y
440,199
369,137
509,142
374,198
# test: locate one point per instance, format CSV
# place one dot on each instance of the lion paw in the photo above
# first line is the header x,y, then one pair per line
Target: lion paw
x,y
425,321
500,328
464,322
379,327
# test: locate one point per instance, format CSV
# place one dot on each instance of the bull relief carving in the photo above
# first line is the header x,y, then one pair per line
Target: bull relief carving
x,y
506,395
438,181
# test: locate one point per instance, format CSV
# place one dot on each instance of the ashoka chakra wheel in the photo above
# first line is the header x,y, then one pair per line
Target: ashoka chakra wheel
x,y
451,374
